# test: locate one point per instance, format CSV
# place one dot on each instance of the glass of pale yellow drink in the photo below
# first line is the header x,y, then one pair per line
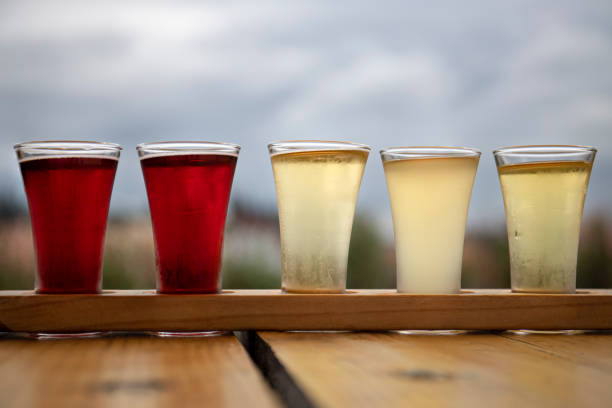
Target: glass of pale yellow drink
x,y
430,190
317,183
544,189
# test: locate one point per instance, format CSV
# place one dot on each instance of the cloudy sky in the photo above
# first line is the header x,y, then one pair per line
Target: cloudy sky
x,y
463,73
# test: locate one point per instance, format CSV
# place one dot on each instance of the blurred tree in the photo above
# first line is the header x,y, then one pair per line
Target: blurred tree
x,y
594,258
369,265
248,274
485,260
10,208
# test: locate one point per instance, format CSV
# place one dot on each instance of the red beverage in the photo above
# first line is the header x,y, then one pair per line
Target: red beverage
x,y
69,199
188,197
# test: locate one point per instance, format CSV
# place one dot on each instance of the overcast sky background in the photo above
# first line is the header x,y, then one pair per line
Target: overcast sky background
x,y
461,73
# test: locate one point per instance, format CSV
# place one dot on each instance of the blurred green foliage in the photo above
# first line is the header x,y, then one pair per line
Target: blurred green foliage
x,y
486,260
15,279
369,264
244,274
115,275
595,255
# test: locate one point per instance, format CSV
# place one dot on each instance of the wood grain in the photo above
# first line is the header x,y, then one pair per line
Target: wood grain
x,y
130,371
394,370
593,349
271,310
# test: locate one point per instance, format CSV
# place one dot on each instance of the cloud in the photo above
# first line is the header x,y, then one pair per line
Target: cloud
x,y
400,73
375,85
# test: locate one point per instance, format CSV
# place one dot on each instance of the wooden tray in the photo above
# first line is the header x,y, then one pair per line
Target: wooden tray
x,y
143,310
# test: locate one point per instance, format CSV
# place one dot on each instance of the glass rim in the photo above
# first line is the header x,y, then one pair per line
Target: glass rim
x,y
167,148
67,146
287,146
413,152
527,150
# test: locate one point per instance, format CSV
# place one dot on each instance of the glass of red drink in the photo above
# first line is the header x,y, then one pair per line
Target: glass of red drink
x,y
68,185
188,186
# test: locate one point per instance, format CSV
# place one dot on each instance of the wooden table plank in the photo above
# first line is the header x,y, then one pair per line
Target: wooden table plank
x,y
130,371
594,349
388,369
271,310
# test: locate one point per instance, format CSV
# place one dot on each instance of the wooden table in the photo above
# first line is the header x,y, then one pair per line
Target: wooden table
x,y
271,369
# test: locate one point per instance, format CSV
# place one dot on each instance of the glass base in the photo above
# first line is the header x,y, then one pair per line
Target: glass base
x,y
524,332
544,291
68,291
319,331
187,292
431,332
210,333
58,336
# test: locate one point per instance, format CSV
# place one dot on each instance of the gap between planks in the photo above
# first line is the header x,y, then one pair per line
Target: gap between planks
x,y
273,370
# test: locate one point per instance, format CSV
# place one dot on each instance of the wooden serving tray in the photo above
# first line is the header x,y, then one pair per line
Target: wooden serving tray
x,y
144,310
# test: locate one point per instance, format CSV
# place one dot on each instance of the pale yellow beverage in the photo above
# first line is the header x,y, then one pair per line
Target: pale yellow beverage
x,y
316,192
544,203
429,200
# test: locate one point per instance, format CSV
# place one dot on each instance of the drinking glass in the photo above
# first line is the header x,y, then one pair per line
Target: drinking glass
x,y
317,183
188,186
430,190
68,186
544,188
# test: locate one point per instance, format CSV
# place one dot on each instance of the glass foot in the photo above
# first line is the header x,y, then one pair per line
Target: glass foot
x,y
524,332
319,331
431,332
210,333
57,336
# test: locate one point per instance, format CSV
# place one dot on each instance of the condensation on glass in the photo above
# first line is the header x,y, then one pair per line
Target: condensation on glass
x,y
544,189
317,184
